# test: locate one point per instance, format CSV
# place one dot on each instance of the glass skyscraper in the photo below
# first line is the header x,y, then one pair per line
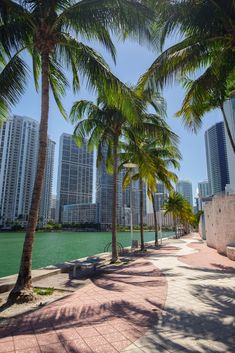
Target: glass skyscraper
x,y
229,108
104,196
216,156
75,174
184,187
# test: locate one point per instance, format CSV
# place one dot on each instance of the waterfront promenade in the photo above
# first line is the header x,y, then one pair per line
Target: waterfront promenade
x,y
180,298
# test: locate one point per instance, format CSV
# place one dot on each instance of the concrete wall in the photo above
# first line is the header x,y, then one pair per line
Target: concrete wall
x,y
220,222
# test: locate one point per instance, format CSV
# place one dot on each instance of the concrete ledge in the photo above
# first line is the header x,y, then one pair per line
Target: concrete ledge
x,y
8,282
231,252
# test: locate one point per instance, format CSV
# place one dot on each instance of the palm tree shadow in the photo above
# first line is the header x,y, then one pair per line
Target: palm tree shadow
x,y
183,330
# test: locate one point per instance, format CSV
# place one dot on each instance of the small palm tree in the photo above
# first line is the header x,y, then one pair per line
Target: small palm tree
x,y
207,47
152,159
49,32
180,209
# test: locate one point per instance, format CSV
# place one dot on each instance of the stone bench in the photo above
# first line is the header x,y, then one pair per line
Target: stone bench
x,y
231,251
90,264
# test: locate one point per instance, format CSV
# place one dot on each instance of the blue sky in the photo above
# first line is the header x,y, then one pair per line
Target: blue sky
x,y
132,61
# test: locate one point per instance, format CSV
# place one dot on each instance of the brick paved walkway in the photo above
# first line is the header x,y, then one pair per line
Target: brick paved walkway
x,y
123,310
199,313
208,258
104,316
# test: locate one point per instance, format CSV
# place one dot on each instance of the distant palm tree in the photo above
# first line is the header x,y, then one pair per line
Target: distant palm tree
x,y
207,47
179,208
51,32
152,158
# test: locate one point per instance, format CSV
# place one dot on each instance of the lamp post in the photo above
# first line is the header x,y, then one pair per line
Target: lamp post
x,y
130,166
160,214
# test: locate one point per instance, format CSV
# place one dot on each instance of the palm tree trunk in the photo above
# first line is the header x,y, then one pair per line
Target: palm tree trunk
x,y
22,290
155,219
175,226
141,215
227,128
114,205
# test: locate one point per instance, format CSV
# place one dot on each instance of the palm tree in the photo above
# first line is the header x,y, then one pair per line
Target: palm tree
x,y
200,100
103,125
48,31
13,74
207,47
179,208
166,156
152,158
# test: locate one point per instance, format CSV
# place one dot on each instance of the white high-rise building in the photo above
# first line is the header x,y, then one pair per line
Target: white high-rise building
x,y
229,108
75,174
18,162
184,187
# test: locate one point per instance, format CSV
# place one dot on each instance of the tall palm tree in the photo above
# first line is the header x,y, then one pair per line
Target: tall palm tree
x,y
207,47
49,32
103,125
164,157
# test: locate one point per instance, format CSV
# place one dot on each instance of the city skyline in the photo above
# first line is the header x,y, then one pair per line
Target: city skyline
x,y
193,165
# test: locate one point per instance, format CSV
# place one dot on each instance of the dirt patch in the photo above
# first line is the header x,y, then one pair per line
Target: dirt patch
x,y
15,310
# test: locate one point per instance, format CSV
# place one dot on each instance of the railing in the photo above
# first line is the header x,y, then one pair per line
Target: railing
x,y
109,245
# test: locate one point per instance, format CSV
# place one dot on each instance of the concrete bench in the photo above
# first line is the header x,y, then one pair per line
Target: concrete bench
x,y
90,264
231,251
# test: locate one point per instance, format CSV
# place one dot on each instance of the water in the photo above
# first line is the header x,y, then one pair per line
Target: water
x,y
57,247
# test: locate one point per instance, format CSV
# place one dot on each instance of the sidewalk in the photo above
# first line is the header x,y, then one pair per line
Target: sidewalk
x,y
166,301
199,313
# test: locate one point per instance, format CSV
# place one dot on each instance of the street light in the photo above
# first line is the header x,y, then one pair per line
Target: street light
x,y
160,214
131,166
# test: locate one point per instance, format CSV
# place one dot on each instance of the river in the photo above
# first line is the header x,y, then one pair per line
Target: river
x,y
57,247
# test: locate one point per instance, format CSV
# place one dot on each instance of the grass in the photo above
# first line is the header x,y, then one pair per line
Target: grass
x,y
43,291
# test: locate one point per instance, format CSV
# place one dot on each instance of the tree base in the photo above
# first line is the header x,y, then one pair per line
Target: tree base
x,y
20,296
114,261
143,249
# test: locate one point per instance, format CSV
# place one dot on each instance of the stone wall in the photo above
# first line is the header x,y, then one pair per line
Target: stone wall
x,y
220,222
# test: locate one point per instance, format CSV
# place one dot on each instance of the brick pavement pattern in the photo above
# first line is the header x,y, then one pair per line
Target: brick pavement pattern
x,y
199,313
106,315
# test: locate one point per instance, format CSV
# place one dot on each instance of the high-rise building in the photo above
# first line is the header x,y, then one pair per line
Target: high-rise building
x,y
75,174
160,196
85,213
229,108
52,215
104,196
203,189
45,203
184,187
216,156
18,162
135,202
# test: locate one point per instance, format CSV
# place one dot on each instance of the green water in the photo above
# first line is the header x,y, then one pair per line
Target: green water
x,y
57,247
